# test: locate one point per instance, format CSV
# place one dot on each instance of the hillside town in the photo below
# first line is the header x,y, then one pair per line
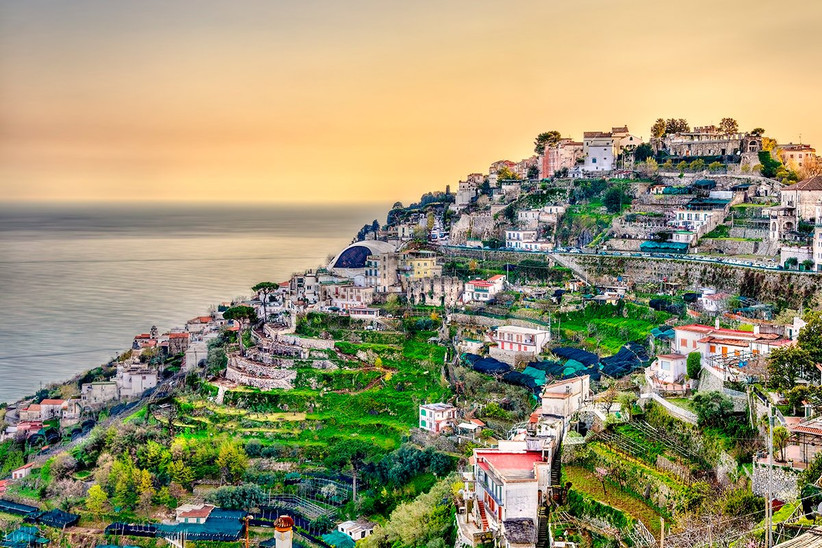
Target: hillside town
x,y
616,341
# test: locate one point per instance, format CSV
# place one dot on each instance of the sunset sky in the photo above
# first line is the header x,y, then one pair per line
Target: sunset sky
x,y
252,100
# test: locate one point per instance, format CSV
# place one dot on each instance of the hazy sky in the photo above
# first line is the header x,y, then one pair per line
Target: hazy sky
x,y
244,100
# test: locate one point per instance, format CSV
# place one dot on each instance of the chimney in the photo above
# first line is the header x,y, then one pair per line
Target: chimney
x,y
716,323
756,329
282,531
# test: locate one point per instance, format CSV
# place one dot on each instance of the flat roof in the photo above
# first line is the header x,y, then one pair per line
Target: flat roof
x,y
511,465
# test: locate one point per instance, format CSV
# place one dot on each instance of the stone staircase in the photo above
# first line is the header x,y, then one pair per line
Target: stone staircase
x,y
483,517
542,527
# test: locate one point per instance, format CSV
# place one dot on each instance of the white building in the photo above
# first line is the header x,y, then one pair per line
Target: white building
x,y
720,347
713,302
515,238
510,484
598,151
194,513
564,398
434,417
98,393
524,340
667,373
134,379
356,529
22,472
483,290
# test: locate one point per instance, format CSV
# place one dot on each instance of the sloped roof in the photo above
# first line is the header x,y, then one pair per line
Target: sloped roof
x,y
810,184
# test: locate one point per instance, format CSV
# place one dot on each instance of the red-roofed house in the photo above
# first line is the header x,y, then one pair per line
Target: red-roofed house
x,y
177,343
194,513
719,345
22,472
483,290
31,413
510,485
51,409
3,485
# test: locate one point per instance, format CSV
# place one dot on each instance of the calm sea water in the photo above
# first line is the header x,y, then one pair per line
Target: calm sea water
x,y
78,282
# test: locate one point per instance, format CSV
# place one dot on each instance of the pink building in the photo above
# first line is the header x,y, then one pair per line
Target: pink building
x,y
562,156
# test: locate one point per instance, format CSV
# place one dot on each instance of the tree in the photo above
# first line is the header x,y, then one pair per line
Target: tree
x,y
609,397
810,336
96,500
658,129
533,172
505,174
694,365
682,166
712,408
651,166
180,473
770,166
349,453
715,166
232,461
698,164
546,139
676,125
728,126
786,364
242,314
643,152
780,440
757,131
264,289
613,200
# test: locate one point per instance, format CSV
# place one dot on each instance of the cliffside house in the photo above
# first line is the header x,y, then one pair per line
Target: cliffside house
x,y
434,417
667,374
483,290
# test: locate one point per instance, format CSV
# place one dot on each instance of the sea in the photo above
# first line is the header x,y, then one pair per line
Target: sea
x,y
77,282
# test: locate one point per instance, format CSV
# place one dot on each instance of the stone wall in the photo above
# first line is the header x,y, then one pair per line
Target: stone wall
x,y
469,319
317,344
790,289
624,244
476,225
730,247
257,375
783,483
510,357
744,232
443,290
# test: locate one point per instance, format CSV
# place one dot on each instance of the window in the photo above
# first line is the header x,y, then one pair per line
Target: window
x,y
713,348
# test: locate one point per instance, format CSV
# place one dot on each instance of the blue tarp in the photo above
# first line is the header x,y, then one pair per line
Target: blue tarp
x,y
489,366
17,509
338,539
582,356
537,374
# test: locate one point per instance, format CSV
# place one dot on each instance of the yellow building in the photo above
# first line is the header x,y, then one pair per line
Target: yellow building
x,y
418,264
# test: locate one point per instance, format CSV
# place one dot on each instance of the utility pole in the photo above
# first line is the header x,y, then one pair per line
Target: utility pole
x,y
769,509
